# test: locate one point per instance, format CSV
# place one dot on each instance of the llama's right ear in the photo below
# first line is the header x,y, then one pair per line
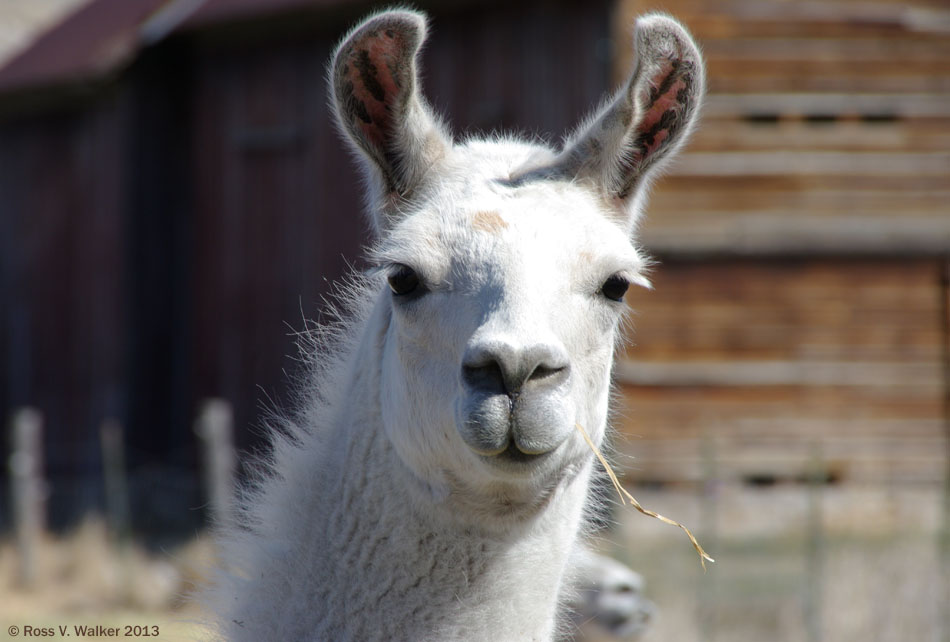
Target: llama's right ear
x,y
377,104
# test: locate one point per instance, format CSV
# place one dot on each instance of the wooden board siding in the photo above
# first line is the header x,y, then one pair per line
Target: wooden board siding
x,y
62,304
756,46
767,358
276,219
826,129
801,236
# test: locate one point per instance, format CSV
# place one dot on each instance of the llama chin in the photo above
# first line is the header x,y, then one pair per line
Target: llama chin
x,y
433,485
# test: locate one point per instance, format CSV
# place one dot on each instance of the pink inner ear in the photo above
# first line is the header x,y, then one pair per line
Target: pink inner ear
x,y
663,109
370,68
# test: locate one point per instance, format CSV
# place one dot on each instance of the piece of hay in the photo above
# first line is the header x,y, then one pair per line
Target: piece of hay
x,y
622,492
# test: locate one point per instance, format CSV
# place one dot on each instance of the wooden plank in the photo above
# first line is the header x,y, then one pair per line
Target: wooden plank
x,y
922,55
902,105
754,7
882,16
731,450
743,77
734,135
753,164
800,182
703,199
854,460
776,231
924,378
716,24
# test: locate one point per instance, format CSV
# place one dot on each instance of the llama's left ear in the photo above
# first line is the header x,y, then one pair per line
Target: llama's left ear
x,y
377,103
647,120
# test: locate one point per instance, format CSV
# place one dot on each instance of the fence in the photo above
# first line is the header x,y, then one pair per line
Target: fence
x,y
799,559
30,489
807,559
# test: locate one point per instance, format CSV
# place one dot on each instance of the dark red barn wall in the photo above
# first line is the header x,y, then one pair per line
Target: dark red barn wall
x,y
163,236
62,285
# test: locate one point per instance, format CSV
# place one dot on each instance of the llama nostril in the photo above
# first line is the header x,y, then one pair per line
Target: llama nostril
x,y
544,373
501,369
486,377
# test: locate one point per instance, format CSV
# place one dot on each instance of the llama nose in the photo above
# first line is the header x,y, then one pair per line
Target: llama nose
x,y
501,368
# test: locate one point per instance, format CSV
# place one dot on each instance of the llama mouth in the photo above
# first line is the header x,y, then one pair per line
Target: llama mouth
x,y
514,454
520,434
513,459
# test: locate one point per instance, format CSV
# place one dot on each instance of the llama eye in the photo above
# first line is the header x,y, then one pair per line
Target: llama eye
x,y
403,280
615,287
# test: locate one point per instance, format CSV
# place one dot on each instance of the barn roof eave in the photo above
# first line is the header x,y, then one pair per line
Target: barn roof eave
x,y
102,37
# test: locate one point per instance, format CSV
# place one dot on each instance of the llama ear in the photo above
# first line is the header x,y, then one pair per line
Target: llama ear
x,y
647,120
377,104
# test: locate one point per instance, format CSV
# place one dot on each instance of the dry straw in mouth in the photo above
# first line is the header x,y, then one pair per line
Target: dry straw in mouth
x,y
622,492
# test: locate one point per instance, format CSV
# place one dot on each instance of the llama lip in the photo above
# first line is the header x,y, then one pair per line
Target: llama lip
x,y
523,429
514,454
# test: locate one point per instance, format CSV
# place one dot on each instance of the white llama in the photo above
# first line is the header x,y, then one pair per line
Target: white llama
x,y
433,484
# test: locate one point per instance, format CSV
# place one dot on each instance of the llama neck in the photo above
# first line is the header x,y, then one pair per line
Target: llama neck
x,y
405,565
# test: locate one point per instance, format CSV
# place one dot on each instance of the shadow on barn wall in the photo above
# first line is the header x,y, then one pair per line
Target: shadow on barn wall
x,y
174,201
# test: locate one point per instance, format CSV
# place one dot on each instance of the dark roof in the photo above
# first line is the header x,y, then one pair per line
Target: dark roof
x,y
103,36
95,39
217,11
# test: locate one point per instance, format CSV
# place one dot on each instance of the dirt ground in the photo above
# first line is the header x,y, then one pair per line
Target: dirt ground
x,y
793,564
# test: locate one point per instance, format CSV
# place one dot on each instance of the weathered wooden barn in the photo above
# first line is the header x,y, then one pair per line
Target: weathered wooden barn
x,y
174,201
800,302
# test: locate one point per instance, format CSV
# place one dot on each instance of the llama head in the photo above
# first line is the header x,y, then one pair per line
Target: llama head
x,y
506,261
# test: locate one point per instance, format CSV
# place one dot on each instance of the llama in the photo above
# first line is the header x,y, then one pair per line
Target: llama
x,y
433,485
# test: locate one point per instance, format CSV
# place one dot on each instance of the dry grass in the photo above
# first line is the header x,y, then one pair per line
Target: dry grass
x,y
84,579
625,496
873,575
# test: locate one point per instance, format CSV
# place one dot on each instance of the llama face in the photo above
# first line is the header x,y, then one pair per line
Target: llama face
x,y
504,301
506,262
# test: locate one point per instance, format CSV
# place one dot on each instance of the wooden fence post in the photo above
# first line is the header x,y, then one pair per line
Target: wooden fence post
x,y
215,428
943,531
112,443
708,608
26,476
815,544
